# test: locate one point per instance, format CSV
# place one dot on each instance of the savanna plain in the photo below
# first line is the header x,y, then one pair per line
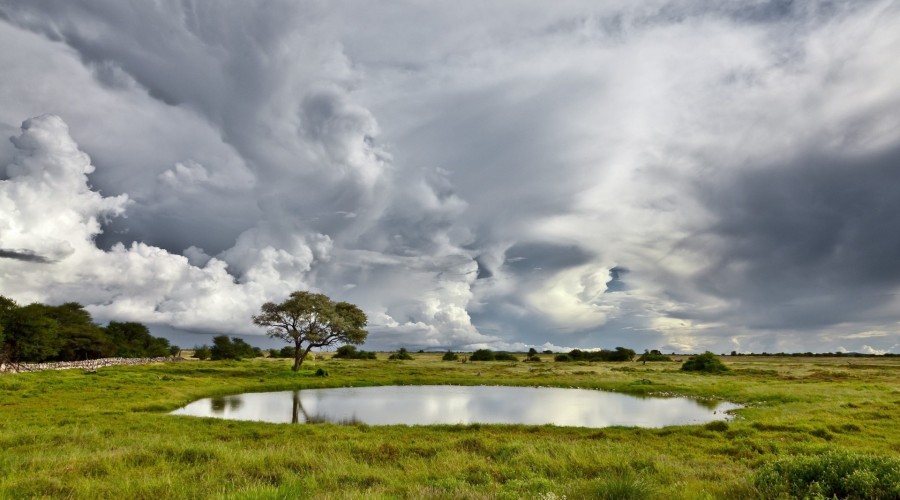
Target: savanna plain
x,y
810,426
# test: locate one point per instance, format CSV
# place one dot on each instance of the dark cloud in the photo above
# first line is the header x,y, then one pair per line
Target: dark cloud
x,y
24,256
809,242
530,257
483,272
615,283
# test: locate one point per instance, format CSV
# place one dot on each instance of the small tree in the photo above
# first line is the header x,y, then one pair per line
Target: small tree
x,y
450,356
225,347
309,320
222,348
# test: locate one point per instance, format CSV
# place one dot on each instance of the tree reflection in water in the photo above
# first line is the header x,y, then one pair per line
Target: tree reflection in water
x,y
297,410
218,405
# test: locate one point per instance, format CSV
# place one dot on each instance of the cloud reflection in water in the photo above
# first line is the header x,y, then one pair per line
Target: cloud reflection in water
x,y
446,404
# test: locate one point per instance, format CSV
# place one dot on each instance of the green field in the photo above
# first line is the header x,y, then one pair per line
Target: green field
x,y
107,434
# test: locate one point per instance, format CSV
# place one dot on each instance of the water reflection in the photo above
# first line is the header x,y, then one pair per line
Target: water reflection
x,y
444,404
218,405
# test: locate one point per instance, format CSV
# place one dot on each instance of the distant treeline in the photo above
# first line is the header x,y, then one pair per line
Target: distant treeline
x,y
816,354
619,354
38,332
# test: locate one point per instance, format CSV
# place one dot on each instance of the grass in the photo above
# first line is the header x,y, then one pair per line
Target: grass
x,y
71,434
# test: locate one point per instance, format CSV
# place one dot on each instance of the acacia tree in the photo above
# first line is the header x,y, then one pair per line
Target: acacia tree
x,y
312,320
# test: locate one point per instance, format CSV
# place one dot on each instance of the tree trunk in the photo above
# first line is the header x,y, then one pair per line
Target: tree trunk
x,y
305,353
297,359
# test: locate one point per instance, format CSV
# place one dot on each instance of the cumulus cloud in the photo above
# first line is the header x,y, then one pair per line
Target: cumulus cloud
x,y
663,174
55,214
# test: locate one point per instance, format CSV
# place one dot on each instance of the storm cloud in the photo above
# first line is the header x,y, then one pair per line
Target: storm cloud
x,y
666,175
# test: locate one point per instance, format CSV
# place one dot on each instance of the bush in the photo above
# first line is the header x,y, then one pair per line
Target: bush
x,y
401,355
284,352
450,356
504,356
706,362
482,355
619,354
321,373
562,358
835,474
653,356
202,352
350,352
533,359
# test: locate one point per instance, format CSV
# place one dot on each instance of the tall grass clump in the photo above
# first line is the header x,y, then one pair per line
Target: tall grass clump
x,y
625,485
835,474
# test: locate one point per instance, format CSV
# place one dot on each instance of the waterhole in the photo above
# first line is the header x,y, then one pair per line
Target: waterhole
x,y
448,404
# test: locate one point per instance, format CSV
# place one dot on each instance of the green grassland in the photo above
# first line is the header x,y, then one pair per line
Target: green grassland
x,y
107,434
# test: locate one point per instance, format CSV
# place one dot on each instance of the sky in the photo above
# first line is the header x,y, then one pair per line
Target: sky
x,y
676,175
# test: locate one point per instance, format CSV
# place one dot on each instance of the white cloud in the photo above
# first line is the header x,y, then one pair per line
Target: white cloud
x,y
56,215
574,298
871,350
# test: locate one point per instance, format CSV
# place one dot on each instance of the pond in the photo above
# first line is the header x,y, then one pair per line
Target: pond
x,y
453,404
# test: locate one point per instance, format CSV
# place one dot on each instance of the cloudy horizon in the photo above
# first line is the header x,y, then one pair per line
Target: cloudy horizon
x,y
671,174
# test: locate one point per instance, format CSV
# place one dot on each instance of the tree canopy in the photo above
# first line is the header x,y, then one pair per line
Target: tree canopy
x,y
312,320
40,332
